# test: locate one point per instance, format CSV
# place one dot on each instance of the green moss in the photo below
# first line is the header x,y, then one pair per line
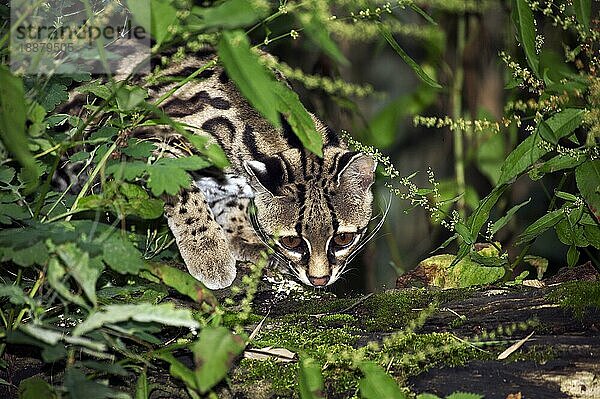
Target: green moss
x,y
577,296
281,377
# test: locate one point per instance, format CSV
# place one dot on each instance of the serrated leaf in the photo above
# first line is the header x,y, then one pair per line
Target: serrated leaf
x,y
540,226
318,33
83,269
229,14
377,384
164,313
252,79
500,223
299,119
12,124
310,381
523,20
587,176
182,281
16,295
167,180
55,94
561,124
121,255
97,88
521,158
583,11
387,35
214,353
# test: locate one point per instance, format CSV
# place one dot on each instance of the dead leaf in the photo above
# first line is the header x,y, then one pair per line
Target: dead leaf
x,y
514,347
278,354
514,395
534,283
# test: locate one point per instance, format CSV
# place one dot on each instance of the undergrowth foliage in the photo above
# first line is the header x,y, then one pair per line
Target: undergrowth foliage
x,y
85,280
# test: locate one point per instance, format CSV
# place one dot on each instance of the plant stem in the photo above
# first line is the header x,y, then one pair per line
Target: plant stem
x,y
34,290
457,86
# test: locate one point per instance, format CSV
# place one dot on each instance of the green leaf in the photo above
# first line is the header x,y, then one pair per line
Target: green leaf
x,y
252,79
540,226
83,269
559,162
310,380
162,15
214,352
476,221
299,119
572,256
592,235
56,273
427,396
182,281
387,34
54,94
523,20
16,295
422,13
97,88
583,11
318,33
377,384
212,151
229,14
165,179
121,255
142,389
571,234
464,395
36,388
179,370
80,387
500,223
164,313
445,271
521,158
587,176
561,124
12,124
129,97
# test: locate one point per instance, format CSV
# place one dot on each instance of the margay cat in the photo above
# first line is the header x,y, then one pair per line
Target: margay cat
x,y
317,208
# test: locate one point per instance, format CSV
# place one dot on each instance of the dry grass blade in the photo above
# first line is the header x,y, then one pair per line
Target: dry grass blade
x,y
514,347
278,354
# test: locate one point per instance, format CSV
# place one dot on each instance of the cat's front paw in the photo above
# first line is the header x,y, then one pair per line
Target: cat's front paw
x,y
215,274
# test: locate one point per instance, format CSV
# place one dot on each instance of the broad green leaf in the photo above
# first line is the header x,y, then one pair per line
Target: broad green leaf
x,y
52,337
97,88
583,11
318,33
571,234
16,295
561,124
587,176
182,281
254,81
229,14
56,274
559,162
162,15
83,269
53,95
164,313
121,255
500,223
445,272
130,97
310,380
80,387
387,34
12,124
166,179
212,151
523,20
36,388
521,158
50,353
299,119
377,384
592,235
540,226
214,352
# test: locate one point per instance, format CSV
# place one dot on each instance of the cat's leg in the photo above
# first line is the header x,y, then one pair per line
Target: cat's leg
x,y
232,214
201,241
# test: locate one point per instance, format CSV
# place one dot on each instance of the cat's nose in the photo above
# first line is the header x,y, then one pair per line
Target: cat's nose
x,y
318,281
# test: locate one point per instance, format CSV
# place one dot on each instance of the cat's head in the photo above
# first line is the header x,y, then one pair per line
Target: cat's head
x,y
317,210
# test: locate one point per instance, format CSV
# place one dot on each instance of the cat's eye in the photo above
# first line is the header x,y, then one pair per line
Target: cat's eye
x,y
291,242
343,239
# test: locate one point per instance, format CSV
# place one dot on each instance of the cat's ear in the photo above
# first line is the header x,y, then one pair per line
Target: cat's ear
x,y
268,172
356,169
